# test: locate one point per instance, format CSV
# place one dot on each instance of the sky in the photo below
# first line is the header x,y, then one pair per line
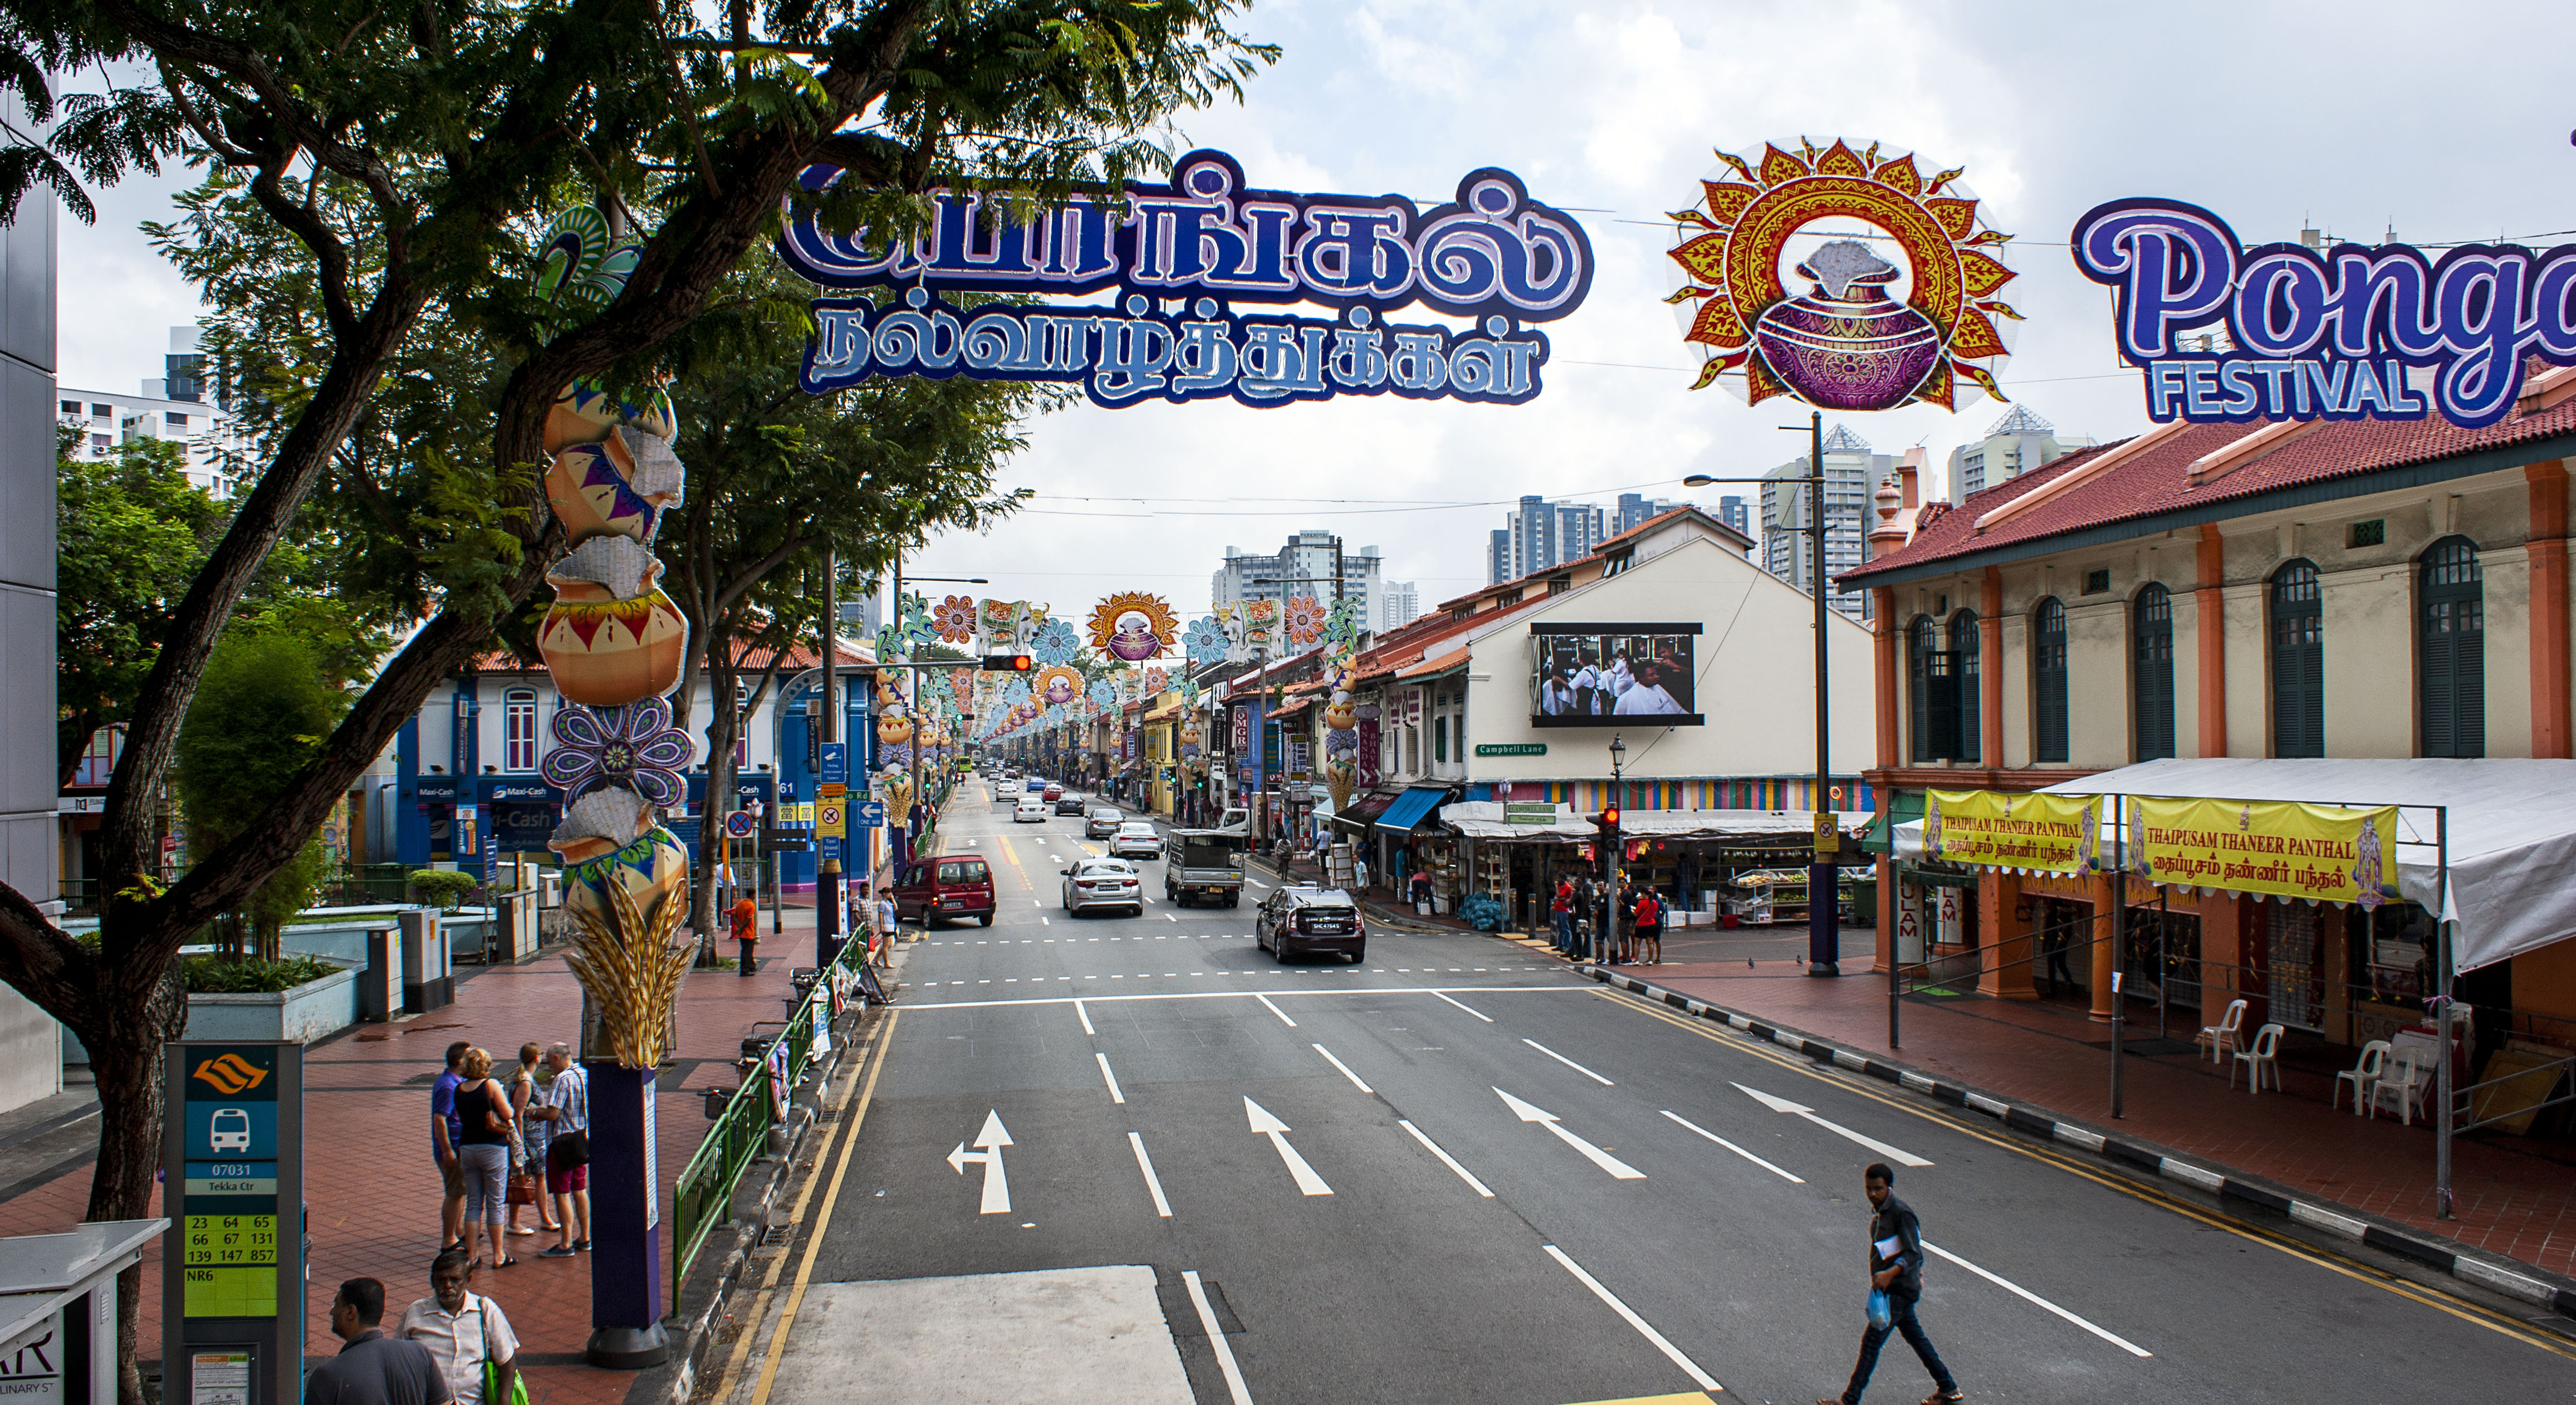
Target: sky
x,y
2444,125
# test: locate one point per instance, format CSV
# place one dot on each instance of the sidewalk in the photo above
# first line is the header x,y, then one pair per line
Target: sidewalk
x,y
2508,1200
374,1191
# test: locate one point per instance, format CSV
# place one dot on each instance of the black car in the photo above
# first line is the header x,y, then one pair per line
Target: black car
x,y
1071,804
1296,921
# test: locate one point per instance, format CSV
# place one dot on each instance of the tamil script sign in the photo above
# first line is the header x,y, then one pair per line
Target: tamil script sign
x,y
2278,847
2038,833
1174,259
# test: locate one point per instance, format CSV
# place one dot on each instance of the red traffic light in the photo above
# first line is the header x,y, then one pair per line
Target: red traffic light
x,y
1008,663
1608,819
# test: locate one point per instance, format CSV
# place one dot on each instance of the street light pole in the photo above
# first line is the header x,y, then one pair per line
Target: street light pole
x,y
1824,917
827,866
1609,939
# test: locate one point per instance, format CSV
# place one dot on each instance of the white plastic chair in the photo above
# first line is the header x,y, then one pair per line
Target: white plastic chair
x,y
2409,1082
2222,1036
2267,1043
2363,1076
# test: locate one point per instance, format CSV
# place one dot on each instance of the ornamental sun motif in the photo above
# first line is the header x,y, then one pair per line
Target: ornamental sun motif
x,y
1133,626
1899,304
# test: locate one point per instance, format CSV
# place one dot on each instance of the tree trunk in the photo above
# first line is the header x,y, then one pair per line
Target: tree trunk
x,y
125,1053
724,725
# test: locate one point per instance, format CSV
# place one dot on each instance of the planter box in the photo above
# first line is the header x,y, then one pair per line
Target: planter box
x,y
312,1011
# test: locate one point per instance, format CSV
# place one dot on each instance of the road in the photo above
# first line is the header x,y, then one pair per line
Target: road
x,y
1138,1159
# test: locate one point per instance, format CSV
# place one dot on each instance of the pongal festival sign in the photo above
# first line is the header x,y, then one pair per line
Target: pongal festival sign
x,y
1175,259
1851,280
2286,332
2324,853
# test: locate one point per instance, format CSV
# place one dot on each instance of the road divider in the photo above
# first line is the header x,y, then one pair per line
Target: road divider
x,y
1446,1159
1111,1079
1569,1063
2019,1291
1345,1068
1671,1352
1153,1183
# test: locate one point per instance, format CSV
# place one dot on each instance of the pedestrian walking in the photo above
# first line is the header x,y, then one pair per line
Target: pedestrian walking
x,y
2053,940
567,1115
890,924
463,1332
1561,911
483,1110
746,933
445,1135
1895,1269
372,1368
529,1165
1359,872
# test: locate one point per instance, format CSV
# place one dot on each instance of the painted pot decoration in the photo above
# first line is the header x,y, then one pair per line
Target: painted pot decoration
x,y
1341,714
894,729
584,415
652,870
591,498
605,653
1845,345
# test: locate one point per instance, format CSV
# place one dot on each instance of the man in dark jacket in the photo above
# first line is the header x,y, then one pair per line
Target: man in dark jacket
x,y
1895,1268
373,1369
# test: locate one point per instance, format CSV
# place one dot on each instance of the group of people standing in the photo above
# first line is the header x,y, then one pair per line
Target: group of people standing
x,y
504,1145
1578,908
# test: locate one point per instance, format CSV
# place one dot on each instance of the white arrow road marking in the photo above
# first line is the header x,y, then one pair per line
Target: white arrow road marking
x,y
1216,1338
1345,1068
2019,1291
1547,1119
1263,1124
1898,1155
1153,1183
1671,1352
1477,1013
1111,1079
1749,1156
1085,1016
1569,1063
989,1143
1445,1158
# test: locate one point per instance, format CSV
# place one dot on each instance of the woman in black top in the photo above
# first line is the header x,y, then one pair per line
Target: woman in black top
x,y
483,1108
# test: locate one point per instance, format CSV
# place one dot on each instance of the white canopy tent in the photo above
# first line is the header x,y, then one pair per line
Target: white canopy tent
x,y
2510,834
1483,819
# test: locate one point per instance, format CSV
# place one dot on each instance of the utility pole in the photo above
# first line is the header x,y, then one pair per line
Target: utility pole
x,y
827,865
1824,915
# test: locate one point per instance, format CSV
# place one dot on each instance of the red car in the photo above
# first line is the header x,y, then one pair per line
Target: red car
x,y
1054,792
950,888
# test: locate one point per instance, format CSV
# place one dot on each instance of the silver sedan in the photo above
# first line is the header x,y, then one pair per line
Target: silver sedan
x,y
1103,883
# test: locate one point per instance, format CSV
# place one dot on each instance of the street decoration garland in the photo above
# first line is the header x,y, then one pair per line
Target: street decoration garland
x,y
1303,619
614,643
1054,642
1204,641
954,619
1845,343
1133,626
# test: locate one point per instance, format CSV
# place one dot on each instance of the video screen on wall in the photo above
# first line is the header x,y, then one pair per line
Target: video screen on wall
x,y
1611,675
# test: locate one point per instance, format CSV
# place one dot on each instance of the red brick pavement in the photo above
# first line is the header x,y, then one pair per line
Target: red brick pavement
x,y
2510,1198
374,1190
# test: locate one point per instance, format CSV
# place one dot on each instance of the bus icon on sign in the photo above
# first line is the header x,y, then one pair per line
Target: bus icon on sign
x,y
229,1130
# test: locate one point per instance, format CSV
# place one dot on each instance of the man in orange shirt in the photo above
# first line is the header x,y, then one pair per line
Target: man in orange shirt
x,y
746,930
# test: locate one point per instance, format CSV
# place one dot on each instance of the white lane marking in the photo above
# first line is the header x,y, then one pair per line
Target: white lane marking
x,y
1485,1017
1670,1351
1345,1068
989,1143
1282,1014
1042,921
1257,883
1446,1159
1241,994
1111,1079
1083,1015
1898,1155
1529,1113
1569,1063
1216,1338
1145,1164
1749,1156
1265,1125
2019,1291
1166,917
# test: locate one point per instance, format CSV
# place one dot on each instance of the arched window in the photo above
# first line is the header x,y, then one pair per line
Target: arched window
x,y
1964,647
1924,663
2451,650
2048,682
519,730
2151,685
2298,662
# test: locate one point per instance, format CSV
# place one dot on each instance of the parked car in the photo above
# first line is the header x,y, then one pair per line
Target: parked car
x,y
1103,883
1137,837
1070,804
1102,821
1296,921
1030,810
949,888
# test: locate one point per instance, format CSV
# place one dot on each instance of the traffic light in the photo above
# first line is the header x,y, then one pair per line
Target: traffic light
x,y
1008,663
1608,823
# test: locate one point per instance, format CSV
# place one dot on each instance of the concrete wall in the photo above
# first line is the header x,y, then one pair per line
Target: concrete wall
x,y
30,1041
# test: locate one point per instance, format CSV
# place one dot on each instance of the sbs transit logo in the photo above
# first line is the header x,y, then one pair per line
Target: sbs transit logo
x,y
232,1075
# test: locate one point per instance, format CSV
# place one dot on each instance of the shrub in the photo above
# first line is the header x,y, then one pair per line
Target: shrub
x,y
441,888
247,975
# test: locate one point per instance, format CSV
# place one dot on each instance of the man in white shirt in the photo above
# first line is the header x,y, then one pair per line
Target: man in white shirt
x,y
1587,681
462,1329
1648,695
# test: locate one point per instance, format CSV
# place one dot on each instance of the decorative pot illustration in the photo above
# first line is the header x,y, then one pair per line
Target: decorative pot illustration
x,y
604,652
1847,345
592,498
894,729
652,870
584,415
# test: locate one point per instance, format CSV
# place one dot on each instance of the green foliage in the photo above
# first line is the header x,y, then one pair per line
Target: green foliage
x,y
441,888
262,710
251,975
129,534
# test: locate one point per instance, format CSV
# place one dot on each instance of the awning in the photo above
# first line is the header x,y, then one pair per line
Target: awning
x,y
1364,810
1407,810
1483,819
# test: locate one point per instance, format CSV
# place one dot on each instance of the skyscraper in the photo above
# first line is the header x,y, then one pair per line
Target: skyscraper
x,y
1732,511
1399,605
1313,563
2013,446
1788,550
1636,509
1541,534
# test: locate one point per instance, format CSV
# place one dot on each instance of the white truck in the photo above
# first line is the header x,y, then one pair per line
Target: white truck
x,y
1205,864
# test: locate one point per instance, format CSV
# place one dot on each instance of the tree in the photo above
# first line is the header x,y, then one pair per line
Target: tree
x,y
262,710
390,166
129,533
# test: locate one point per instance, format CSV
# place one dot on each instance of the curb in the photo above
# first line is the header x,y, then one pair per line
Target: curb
x,y
2445,1256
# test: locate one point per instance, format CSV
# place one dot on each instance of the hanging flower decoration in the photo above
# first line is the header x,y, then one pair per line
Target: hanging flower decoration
x,y
954,618
1055,642
633,745
1156,680
1204,642
1104,694
1303,620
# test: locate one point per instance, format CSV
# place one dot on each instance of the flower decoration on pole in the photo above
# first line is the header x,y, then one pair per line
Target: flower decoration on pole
x,y
1303,619
1133,626
954,619
1156,680
1054,642
1848,342
1204,642
634,747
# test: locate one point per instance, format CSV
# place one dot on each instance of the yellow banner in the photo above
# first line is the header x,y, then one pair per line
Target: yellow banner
x,y
2279,847
1999,829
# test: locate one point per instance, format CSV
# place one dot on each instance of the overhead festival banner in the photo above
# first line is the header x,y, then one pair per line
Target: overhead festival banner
x,y
2035,833
2277,847
1175,259
2323,333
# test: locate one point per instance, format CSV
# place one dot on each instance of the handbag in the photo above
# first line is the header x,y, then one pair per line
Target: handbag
x,y
1879,1318
570,1149
523,1187
492,1379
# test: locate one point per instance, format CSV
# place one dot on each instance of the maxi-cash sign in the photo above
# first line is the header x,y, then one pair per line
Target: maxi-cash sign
x,y
1175,259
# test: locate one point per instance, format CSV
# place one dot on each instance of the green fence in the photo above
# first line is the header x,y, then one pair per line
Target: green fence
x,y
704,1194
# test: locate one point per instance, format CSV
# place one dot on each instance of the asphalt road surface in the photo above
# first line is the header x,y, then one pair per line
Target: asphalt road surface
x,y
1115,1158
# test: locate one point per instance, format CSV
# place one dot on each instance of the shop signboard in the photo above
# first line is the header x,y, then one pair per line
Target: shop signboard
x,y
1529,812
2277,847
2349,332
2000,829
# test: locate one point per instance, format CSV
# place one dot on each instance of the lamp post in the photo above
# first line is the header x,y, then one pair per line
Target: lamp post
x,y
1609,938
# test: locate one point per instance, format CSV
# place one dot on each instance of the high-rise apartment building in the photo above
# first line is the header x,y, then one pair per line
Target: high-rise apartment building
x,y
1541,534
1733,512
176,405
1400,605
1636,509
1313,563
1788,547
2013,446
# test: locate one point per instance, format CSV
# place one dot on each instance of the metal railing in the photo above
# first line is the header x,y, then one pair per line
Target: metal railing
x,y
704,1195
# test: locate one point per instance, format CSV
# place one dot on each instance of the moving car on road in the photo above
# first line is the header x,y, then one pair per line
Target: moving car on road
x,y
1204,863
1070,803
1135,837
1103,883
1295,921
949,888
1054,792
1102,821
1030,810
